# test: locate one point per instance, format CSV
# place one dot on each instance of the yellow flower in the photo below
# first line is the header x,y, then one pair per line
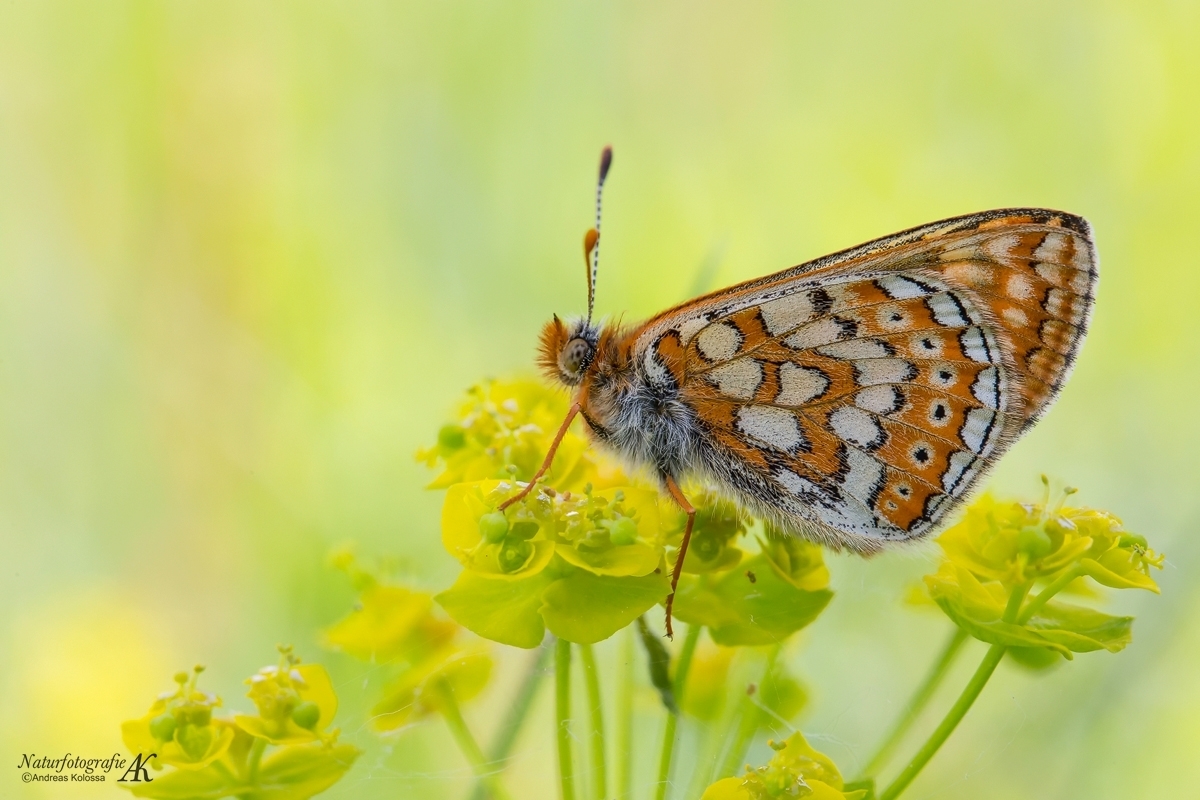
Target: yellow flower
x,y
508,424
796,770
609,532
390,622
421,689
180,727
515,544
295,702
1013,543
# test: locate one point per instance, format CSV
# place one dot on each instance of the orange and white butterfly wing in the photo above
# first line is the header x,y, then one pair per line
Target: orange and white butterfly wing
x,y
858,398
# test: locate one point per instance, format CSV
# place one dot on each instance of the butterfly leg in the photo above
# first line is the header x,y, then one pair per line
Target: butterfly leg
x,y
558,437
690,510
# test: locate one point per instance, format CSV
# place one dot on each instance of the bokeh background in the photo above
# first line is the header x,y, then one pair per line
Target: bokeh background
x,y
251,253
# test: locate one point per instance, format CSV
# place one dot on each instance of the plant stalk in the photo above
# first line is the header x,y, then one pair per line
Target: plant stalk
x,y
254,759
467,743
562,718
510,728
1043,597
917,704
591,679
682,667
983,672
625,716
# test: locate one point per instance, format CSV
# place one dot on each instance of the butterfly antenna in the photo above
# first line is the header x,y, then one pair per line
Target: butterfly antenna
x,y
591,239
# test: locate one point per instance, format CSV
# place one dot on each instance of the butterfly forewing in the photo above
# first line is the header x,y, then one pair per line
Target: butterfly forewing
x,y
859,397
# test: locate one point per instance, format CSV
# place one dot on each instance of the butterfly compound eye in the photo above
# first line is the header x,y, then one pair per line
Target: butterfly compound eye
x,y
574,357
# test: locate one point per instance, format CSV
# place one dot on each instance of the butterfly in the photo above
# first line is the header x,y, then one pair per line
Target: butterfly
x,y
854,400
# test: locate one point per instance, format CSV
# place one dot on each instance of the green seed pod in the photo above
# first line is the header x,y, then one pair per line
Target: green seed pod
x,y
525,529
194,741
1132,540
451,437
514,555
493,526
162,727
623,531
306,715
706,546
1034,542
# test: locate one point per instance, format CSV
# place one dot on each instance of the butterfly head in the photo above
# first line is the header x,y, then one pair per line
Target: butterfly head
x,y
567,349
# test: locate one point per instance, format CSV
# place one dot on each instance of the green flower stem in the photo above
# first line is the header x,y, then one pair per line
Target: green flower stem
x,y
682,667
947,726
467,743
747,725
254,759
562,717
1043,597
713,741
961,706
917,704
517,712
625,716
591,680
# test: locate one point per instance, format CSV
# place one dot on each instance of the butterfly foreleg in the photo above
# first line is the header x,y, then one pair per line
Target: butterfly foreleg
x,y
678,496
558,437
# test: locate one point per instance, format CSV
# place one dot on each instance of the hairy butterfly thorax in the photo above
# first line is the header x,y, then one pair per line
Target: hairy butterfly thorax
x,y
854,400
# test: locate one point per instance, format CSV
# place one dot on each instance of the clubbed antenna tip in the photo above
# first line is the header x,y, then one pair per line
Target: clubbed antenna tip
x,y
605,162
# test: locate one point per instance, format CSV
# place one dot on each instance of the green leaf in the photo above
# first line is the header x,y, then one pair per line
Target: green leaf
x,y
1116,570
1082,629
658,661
740,612
977,607
299,772
505,611
585,608
636,559
186,784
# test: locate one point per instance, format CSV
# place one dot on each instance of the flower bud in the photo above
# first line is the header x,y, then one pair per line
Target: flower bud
x,y
623,531
451,437
514,555
1128,540
525,529
306,715
195,715
194,741
493,527
1034,542
162,727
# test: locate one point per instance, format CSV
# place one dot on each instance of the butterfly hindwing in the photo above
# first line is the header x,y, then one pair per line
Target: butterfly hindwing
x,y
860,396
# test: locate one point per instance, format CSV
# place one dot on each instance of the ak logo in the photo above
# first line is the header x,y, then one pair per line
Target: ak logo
x,y
137,768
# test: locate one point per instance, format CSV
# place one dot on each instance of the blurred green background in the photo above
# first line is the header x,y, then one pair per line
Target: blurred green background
x,y
251,254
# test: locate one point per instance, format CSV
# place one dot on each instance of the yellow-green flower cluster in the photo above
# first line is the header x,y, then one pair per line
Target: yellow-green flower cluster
x,y
502,430
590,550
396,625
795,771
216,757
1013,542
999,552
295,702
180,728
